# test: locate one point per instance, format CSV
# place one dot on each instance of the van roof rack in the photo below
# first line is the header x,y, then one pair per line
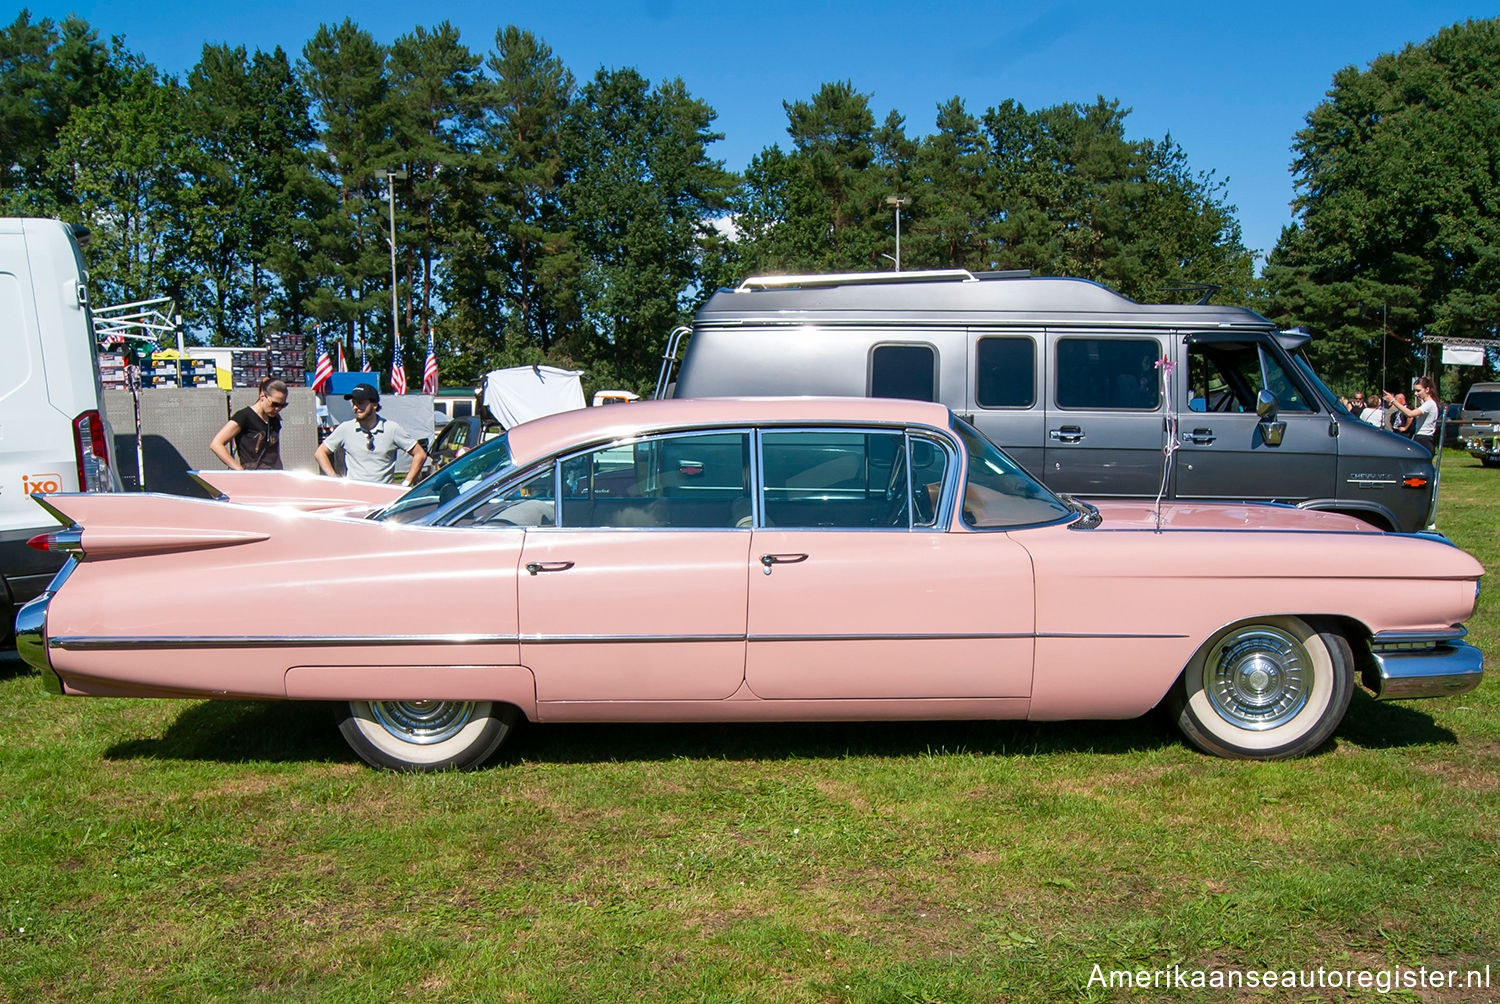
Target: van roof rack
x,y
854,279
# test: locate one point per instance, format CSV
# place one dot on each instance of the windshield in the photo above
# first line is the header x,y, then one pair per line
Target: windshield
x,y
449,482
999,492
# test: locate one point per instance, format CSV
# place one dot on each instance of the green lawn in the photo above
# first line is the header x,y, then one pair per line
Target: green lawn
x,y
184,851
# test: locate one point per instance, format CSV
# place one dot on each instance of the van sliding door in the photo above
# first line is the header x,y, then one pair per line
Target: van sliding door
x,y
1105,414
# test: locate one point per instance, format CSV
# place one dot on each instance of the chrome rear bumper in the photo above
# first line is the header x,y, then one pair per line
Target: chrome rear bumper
x,y
1405,665
31,641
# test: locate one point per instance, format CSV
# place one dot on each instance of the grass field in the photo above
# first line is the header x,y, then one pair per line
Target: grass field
x,y
187,851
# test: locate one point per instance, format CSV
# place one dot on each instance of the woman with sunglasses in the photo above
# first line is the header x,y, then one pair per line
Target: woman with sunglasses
x,y
255,432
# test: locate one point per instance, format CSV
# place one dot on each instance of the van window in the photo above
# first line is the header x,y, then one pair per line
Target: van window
x,y
1005,373
1228,376
1108,373
1482,400
904,371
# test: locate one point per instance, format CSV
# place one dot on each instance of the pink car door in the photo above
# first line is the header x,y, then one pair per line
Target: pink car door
x,y
639,594
852,596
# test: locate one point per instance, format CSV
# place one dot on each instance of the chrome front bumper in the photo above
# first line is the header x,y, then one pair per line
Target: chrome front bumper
x,y
31,641
1404,665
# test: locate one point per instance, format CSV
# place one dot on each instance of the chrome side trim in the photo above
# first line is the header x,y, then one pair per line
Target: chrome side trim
x,y
96,643
86,643
623,639
956,636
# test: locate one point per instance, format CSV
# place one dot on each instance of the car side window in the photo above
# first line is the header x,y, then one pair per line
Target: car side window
x,y
1005,373
698,481
904,371
835,478
1108,373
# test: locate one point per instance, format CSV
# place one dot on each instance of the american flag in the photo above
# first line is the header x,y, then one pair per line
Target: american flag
x,y
398,370
430,370
364,358
323,368
343,363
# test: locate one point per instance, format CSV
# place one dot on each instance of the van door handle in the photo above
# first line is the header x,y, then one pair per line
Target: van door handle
x,y
1067,434
1202,437
548,566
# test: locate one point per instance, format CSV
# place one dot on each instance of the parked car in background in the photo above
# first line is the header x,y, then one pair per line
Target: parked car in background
x,y
1480,423
460,436
53,434
750,560
1072,379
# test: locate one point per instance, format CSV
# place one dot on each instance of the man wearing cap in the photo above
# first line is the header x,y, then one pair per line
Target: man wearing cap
x,y
370,442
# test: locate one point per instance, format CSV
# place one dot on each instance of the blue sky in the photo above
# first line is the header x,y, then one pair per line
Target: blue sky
x,y
1230,82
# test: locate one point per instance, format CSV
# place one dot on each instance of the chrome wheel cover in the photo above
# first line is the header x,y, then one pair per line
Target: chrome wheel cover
x,y
1258,677
422,722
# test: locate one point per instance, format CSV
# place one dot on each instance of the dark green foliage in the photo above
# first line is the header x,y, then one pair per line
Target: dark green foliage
x,y
1398,208
539,220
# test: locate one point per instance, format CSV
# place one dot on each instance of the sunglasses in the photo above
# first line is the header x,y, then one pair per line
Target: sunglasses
x,y
278,405
371,434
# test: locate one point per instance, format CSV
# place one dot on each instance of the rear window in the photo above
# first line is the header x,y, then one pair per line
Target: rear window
x,y
1482,400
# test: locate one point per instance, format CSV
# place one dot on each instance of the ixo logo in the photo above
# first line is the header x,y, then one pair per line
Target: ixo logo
x,y
40,483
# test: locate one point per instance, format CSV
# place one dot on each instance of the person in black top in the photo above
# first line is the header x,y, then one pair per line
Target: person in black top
x,y
255,432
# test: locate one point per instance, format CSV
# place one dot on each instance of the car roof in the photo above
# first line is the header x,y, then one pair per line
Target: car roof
x,y
543,436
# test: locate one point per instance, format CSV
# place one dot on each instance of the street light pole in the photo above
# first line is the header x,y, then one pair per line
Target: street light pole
x,y
898,201
389,177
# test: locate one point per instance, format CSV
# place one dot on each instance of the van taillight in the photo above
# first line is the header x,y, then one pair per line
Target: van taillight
x,y
93,454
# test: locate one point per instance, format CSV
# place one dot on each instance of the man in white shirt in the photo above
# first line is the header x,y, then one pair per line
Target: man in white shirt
x,y
370,443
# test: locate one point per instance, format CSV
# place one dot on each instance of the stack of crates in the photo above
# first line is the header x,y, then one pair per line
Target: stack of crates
x,y
287,358
250,366
112,370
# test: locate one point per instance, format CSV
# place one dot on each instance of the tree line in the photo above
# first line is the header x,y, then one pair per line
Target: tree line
x,y
540,217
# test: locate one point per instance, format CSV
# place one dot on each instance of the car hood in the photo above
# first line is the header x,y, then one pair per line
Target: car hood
x,y
1142,515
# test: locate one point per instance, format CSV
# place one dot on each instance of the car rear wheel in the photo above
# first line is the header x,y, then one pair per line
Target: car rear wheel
x,y
426,735
1267,690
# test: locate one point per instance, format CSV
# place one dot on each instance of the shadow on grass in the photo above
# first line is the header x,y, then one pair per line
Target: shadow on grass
x,y
242,732
1377,725
12,665
290,731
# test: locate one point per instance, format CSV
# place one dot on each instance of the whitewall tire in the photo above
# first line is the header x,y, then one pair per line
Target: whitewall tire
x,y
426,735
1268,689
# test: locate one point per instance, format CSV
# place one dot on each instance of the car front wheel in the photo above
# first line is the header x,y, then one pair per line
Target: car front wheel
x,y
426,735
1267,690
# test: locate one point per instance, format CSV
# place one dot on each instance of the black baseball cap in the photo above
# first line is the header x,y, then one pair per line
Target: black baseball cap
x,y
363,392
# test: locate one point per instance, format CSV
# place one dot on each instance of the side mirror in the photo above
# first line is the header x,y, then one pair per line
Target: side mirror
x,y
1265,405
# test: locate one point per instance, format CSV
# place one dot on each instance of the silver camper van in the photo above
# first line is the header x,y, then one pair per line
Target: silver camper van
x,y
1068,376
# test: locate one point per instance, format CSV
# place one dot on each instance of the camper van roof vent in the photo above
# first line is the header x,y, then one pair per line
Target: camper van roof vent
x,y
854,279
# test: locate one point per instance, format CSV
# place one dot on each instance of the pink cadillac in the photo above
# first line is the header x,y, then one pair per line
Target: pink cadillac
x,y
742,560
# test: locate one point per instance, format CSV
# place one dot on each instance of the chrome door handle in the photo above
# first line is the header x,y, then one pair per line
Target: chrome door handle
x,y
1202,437
767,560
1067,434
548,566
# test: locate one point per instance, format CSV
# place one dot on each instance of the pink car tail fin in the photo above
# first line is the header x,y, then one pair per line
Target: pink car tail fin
x,y
113,525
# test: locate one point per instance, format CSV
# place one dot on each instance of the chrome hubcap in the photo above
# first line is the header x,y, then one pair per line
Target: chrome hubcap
x,y
1258,678
423,722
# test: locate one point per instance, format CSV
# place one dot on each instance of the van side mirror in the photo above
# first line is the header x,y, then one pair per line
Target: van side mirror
x,y
1271,431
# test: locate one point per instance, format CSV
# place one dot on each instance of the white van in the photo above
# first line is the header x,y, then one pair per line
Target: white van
x,y
53,436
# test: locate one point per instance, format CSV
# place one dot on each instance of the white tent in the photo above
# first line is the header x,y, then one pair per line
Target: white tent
x,y
522,393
